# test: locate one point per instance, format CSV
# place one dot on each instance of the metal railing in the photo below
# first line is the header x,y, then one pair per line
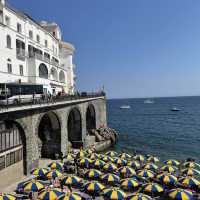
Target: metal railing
x,y
50,99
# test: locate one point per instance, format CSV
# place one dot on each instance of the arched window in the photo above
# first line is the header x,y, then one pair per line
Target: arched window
x,y
8,40
54,74
43,71
62,77
9,66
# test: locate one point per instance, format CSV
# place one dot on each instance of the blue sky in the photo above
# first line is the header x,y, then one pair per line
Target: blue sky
x,y
135,48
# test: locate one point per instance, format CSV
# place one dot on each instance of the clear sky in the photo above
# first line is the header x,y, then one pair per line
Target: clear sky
x,y
135,48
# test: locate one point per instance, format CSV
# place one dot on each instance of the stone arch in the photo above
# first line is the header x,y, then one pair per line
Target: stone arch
x,y
62,76
49,135
90,117
54,74
74,127
43,71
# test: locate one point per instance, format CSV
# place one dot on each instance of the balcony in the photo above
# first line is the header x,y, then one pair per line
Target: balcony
x,y
21,54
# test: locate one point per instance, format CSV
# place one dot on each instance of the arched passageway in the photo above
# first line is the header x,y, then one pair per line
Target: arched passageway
x,y
49,133
74,127
12,148
90,118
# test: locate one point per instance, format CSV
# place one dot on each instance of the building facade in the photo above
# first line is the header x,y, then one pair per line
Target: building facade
x,y
34,52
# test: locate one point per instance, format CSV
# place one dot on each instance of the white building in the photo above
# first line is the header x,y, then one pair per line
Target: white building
x,y
34,52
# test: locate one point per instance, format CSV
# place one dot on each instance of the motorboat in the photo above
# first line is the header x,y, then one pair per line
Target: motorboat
x,y
148,101
175,109
125,107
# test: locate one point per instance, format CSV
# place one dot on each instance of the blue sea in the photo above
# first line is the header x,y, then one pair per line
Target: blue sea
x,y
155,129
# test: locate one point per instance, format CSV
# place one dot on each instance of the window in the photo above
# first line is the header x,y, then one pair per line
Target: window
x,y
54,33
46,43
38,38
8,41
19,28
7,20
43,71
31,34
21,70
9,65
2,162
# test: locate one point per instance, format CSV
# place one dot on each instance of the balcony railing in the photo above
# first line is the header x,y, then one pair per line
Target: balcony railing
x,y
21,54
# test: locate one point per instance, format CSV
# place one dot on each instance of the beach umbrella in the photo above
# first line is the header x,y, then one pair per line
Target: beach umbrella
x,y
69,157
139,196
53,174
125,156
153,188
151,166
89,151
152,159
129,184
107,159
50,194
94,156
145,173
119,162
84,162
56,165
127,171
180,194
39,171
110,178
134,164
71,180
172,162
169,168
139,157
114,194
190,182
98,164
110,167
4,196
92,174
167,179
80,154
93,187
190,172
33,186
191,165
112,153
70,196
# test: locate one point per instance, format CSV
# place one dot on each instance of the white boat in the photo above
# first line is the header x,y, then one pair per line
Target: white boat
x,y
125,107
175,109
148,101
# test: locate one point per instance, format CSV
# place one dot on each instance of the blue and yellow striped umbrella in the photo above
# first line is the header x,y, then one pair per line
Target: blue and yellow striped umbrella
x,y
119,162
39,172
92,174
127,171
152,159
189,182
53,174
130,184
134,164
94,156
107,159
93,187
169,168
180,194
139,157
153,188
33,186
139,196
4,196
80,154
84,162
98,164
190,172
112,154
145,173
50,194
167,179
151,166
56,165
110,167
172,162
114,194
191,165
70,196
125,156
89,151
110,178
71,180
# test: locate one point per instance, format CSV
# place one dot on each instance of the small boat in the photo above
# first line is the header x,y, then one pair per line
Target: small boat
x,y
175,109
148,101
125,107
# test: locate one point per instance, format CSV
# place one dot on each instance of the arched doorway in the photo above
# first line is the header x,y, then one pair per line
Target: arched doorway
x,y
49,133
43,71
90,118
74,127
